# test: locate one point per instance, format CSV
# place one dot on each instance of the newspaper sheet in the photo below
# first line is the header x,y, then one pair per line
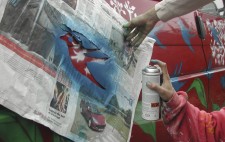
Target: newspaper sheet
x,y
64,64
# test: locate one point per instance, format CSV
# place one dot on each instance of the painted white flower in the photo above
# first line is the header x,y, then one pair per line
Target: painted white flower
x,y
217,48
118,7
130,9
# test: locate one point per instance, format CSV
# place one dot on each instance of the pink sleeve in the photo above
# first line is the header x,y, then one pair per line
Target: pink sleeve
x,y
186,122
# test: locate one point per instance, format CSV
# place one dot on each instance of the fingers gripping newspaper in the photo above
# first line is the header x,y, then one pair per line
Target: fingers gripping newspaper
x,y
64,64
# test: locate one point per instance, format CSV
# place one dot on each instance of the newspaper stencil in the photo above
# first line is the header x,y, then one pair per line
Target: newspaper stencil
x,y
68,67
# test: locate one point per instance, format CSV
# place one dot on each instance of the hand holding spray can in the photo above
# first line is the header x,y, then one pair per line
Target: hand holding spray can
x,y
150,99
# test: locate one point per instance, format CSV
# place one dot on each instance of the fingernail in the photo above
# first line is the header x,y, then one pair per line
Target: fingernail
x,y
153,61
149,83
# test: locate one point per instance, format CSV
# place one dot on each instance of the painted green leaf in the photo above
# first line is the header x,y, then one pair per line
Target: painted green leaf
x,y
4,118
15,128
38,135
56,138
147,126
215,107
199,87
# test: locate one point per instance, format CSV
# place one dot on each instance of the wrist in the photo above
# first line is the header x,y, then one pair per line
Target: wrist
x,y
169,97
152,15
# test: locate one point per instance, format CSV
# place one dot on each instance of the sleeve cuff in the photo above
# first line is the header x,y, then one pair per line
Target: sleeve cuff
x,y
176,99
163,13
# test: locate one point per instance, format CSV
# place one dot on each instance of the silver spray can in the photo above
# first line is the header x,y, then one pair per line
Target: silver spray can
x,y
150,98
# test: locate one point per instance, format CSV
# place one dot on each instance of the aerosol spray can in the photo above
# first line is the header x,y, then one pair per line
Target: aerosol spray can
x,y
150,98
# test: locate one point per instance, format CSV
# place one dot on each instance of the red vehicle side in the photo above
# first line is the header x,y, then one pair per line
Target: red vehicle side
x,y
193,46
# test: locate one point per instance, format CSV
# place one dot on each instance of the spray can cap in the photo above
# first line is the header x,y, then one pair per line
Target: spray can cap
x,y
151,70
